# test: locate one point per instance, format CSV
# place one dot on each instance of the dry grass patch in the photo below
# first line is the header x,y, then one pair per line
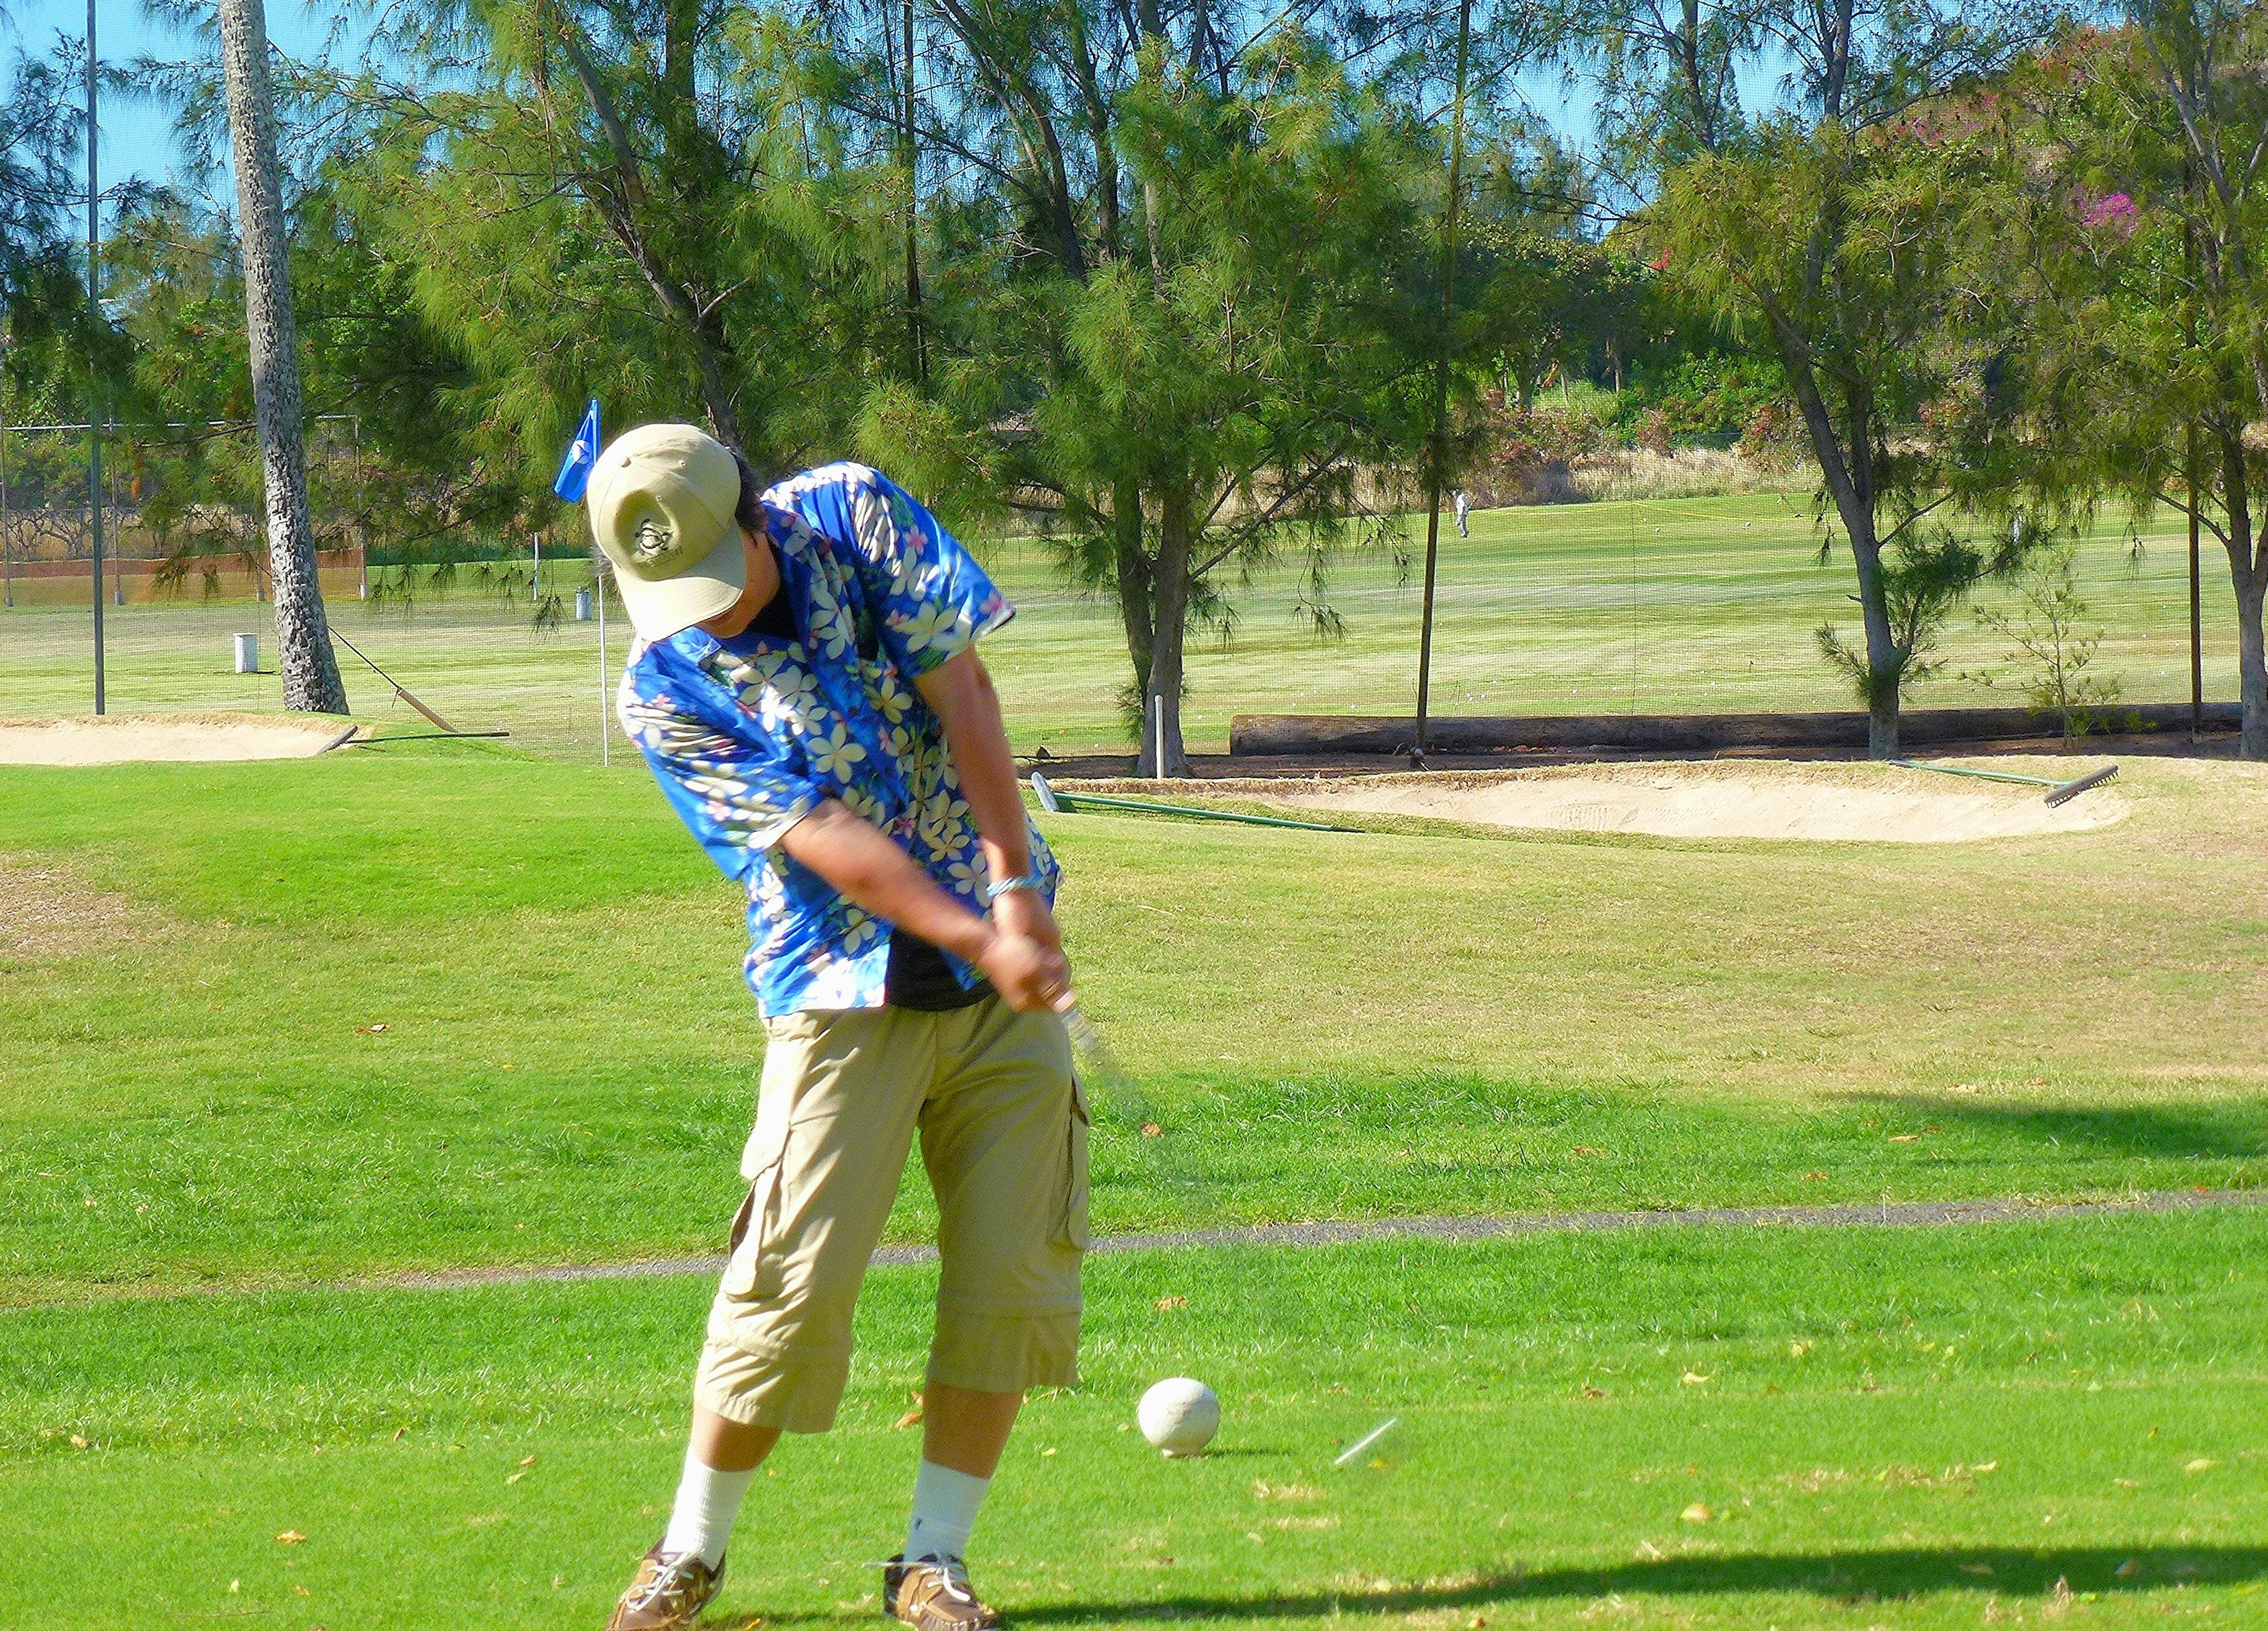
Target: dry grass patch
x,y
46,913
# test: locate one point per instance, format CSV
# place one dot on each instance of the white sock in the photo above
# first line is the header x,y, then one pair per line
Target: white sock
x,y
707,1501
945,1510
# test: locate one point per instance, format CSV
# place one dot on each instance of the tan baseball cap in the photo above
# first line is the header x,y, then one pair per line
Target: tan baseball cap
x,y
661,500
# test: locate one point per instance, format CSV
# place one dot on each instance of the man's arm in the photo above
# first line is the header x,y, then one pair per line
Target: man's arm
x,y
960,692
867,868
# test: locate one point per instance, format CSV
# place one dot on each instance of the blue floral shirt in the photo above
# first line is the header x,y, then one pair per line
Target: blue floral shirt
x,y
747,736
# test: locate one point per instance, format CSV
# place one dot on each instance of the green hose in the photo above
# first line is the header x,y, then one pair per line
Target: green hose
x,y
1052,800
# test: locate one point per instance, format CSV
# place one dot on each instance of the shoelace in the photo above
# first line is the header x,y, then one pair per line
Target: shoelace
x,y
952,1581
671,1576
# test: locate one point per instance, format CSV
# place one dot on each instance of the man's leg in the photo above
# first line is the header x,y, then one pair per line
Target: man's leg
x,y
720,1462
833,1121
964,1432
1004,1138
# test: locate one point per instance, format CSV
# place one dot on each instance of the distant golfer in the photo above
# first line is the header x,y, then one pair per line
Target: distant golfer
x,y
1463,510
806,685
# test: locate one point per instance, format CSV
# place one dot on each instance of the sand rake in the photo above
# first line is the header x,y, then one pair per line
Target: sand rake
x,y
2059,792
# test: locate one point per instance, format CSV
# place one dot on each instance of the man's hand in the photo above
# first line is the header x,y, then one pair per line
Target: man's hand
x,y
1027,972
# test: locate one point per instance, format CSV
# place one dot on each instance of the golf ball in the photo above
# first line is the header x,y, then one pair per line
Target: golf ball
x,y
1180,1415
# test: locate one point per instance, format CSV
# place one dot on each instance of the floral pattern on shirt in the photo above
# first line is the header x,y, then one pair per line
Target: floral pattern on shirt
x,y
747,736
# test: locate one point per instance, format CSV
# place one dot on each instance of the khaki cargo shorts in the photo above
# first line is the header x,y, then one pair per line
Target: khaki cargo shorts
x,y
1004,1137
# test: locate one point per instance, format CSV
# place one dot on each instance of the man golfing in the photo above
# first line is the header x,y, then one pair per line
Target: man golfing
x,y
806,685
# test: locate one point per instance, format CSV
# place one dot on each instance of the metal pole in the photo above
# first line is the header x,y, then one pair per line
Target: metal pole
x,y
1440,451
535,584
94,316
2197,609
605,740
7,538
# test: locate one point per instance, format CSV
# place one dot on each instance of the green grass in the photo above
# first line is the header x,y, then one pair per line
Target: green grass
x,y
272,1026
1654,606
193,1090
1910,1429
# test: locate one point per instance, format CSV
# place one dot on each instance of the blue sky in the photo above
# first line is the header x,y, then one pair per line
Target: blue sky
x,y
138,137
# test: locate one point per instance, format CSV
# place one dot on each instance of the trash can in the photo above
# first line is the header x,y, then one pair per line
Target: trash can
x,y
247,654
582,606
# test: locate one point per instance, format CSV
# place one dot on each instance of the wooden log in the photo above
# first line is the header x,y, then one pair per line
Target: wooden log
x,y
1293,735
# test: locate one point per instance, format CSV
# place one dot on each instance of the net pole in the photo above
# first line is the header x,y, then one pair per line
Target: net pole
x,y
606,741
2197,608
93,386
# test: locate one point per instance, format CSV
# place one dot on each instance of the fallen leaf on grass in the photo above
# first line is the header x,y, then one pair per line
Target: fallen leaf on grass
x,y
380,1029
2129,1569
907,1420
1695,1514
1164,1303
1593,1393
1582,1150
78,1441
1814,1178
527,1461
290,1537
1797,1350
1050,1450
2200,1465
236,1585
1976,1568
1647,1552
301,1591
1903,1138
398,1432
1694,1379
1151,1130
515,1478
1986,1466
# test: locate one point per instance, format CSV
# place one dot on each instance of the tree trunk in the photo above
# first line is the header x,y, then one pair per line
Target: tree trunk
x,y
1885,663
1170,596
1850,479
2251,580
1134,579
2247,571
303,639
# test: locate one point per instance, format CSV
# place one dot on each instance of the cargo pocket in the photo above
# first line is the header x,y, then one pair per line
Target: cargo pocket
x,y
756,1270
1072,1232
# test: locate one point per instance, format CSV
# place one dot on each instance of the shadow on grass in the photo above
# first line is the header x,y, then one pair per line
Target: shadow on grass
x,y
1842,1576
2232,1131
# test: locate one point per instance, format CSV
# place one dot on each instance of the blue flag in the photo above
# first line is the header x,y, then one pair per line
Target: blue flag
x,y
582,457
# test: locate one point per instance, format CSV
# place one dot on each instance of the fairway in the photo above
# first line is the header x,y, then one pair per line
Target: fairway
x,y
1703,605
199,1086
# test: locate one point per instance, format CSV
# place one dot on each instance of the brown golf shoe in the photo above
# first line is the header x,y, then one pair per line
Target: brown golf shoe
x,y
933,1595
668,1593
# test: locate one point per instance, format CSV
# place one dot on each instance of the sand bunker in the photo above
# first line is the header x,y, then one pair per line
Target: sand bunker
x,y
117,739
1748,800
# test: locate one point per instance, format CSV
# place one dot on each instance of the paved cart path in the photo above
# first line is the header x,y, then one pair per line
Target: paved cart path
x,y
1884,1215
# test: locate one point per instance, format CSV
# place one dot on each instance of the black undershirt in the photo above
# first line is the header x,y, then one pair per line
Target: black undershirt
x,y
918,977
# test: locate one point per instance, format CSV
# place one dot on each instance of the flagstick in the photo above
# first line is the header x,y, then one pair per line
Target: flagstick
x,y
606,741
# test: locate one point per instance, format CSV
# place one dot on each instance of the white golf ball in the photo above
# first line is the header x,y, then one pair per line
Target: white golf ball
x,y
1180,1415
